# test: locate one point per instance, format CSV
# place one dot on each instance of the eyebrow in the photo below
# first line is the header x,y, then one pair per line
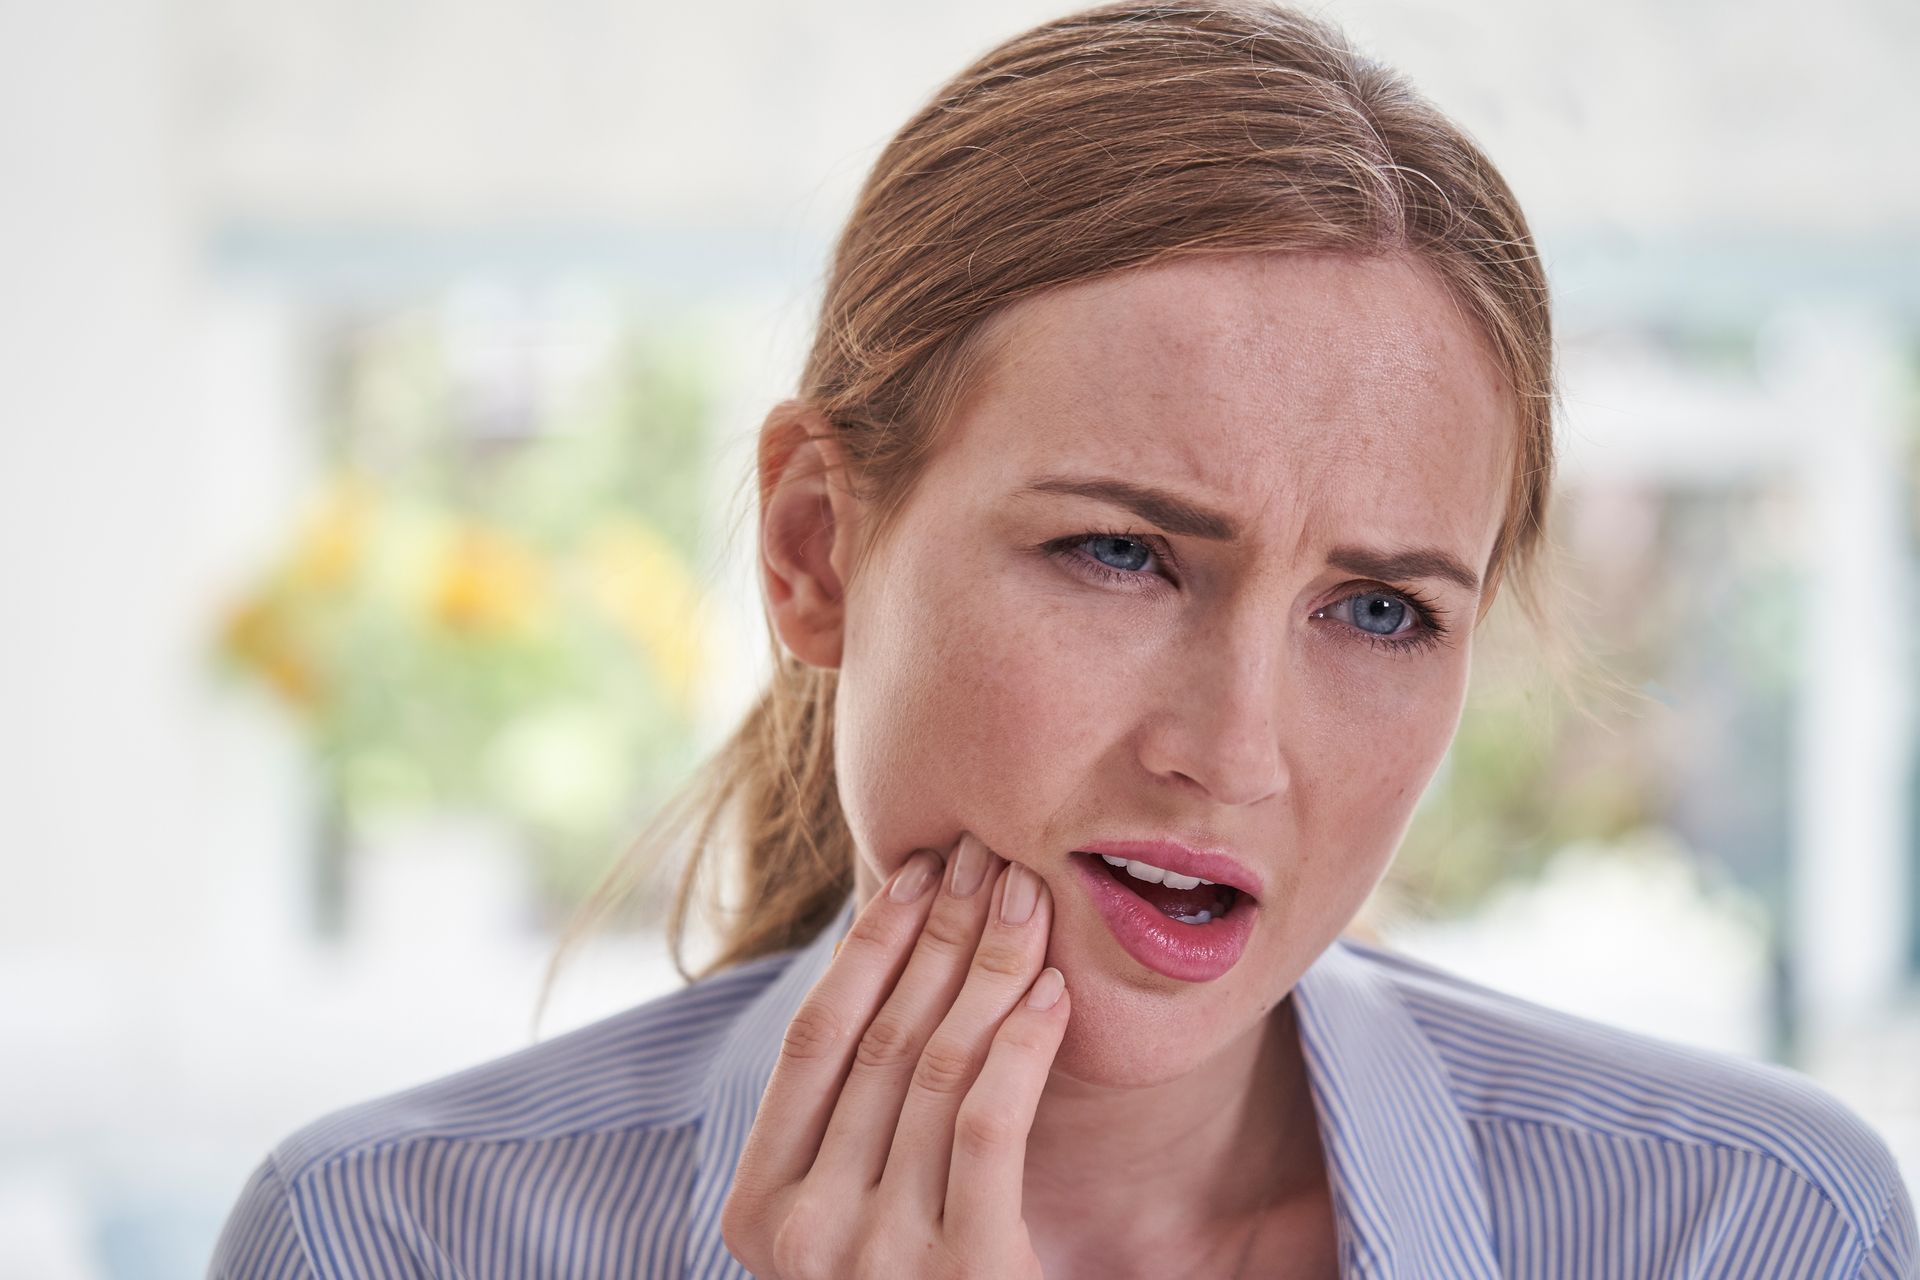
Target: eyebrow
x,y
1178,515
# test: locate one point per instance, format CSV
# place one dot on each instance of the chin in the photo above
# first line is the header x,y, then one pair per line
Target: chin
x,y
1125,1037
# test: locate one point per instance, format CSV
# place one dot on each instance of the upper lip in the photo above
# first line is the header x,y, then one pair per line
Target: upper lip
x,y
1170,855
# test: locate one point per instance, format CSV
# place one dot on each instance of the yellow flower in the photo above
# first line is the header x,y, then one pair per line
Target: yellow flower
x,y
255,635
484,580
640,581
332,540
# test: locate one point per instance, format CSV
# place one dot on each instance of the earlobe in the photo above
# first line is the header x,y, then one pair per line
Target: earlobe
x,y
806,521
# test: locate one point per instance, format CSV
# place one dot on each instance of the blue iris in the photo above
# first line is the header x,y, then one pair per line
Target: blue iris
x,y
1385,607
1139,547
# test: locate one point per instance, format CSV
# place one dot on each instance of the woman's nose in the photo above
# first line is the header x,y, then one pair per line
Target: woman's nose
x,y
1223,722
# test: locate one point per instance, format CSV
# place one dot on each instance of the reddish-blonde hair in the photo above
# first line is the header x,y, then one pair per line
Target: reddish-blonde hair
x,y
1103,140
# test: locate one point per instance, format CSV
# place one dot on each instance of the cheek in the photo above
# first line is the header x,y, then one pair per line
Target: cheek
x,y
959,707
1364,757
1385,738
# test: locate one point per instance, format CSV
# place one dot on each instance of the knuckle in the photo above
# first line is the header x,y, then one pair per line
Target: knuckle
x,y
944,1068
815,1032
802,1248
743,1207
740,1230
878,932
1025,1039
874,1260
981,1130
947,934
1002,958
888,1042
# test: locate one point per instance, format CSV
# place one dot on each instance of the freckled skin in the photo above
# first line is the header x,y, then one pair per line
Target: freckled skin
x,y
987,686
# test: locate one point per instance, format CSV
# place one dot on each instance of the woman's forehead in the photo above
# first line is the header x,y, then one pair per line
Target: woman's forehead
x,y
1356,335
1333,379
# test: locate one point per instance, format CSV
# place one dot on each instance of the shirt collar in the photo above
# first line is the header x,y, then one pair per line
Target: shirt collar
x,y
1408,1191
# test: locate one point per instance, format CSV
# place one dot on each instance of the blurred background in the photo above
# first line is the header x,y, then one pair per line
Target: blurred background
x,y
377,382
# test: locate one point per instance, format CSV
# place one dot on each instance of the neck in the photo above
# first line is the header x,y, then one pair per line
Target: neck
x,y
1116,1177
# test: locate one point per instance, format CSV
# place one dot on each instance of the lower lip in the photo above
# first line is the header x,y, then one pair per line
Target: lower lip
x,y
1189,952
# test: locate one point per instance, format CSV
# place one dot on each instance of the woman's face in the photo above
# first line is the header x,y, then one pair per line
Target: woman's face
x,y
1241,692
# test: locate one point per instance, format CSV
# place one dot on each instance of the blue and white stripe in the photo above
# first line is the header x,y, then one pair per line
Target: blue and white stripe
x,y
1468,1133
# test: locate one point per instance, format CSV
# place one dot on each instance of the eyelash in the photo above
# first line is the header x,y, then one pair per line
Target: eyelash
x,y
1430,631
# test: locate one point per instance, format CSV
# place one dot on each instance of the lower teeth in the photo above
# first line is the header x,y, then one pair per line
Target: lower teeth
x,y
1224,900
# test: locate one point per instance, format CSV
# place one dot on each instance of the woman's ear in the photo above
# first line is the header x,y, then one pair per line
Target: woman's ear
x,y
808,522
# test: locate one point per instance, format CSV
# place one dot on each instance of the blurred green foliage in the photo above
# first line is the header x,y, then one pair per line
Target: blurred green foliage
x,y
493,600
1675,711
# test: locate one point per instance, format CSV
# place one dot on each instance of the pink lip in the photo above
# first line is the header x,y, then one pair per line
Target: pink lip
x,y
1170,855
1190,953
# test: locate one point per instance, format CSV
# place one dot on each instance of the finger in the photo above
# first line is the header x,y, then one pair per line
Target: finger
x,y
986,1174
819,1041
1008,957
854,1150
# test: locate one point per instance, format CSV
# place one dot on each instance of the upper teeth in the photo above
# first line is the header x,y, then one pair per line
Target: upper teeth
x,y
1155,875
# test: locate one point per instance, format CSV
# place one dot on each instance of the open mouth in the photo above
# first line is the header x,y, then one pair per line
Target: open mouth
x,y
1199,905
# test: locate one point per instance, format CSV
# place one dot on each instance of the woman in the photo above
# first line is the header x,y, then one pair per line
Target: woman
x,y
1181,402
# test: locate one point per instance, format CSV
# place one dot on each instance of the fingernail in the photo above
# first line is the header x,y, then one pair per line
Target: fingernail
x,y
916,877
1046,989
1022,891
969,867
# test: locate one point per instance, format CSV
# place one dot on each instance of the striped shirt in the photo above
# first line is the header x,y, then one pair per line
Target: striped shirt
x,y
1467,1133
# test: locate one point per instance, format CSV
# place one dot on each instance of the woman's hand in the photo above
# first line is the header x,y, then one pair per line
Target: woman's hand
x,y
891,1141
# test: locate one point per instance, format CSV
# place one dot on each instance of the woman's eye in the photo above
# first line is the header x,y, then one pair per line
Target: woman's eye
x,y
1396,621
1125,554
1378,612
1114,556
1381,617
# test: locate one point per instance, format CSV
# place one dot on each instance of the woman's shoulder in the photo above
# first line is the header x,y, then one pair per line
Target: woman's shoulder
x,y
514,1135
1542,1086
641,1068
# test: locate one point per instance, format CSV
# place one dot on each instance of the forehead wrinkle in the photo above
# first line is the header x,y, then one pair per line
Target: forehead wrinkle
x,y
1175,402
